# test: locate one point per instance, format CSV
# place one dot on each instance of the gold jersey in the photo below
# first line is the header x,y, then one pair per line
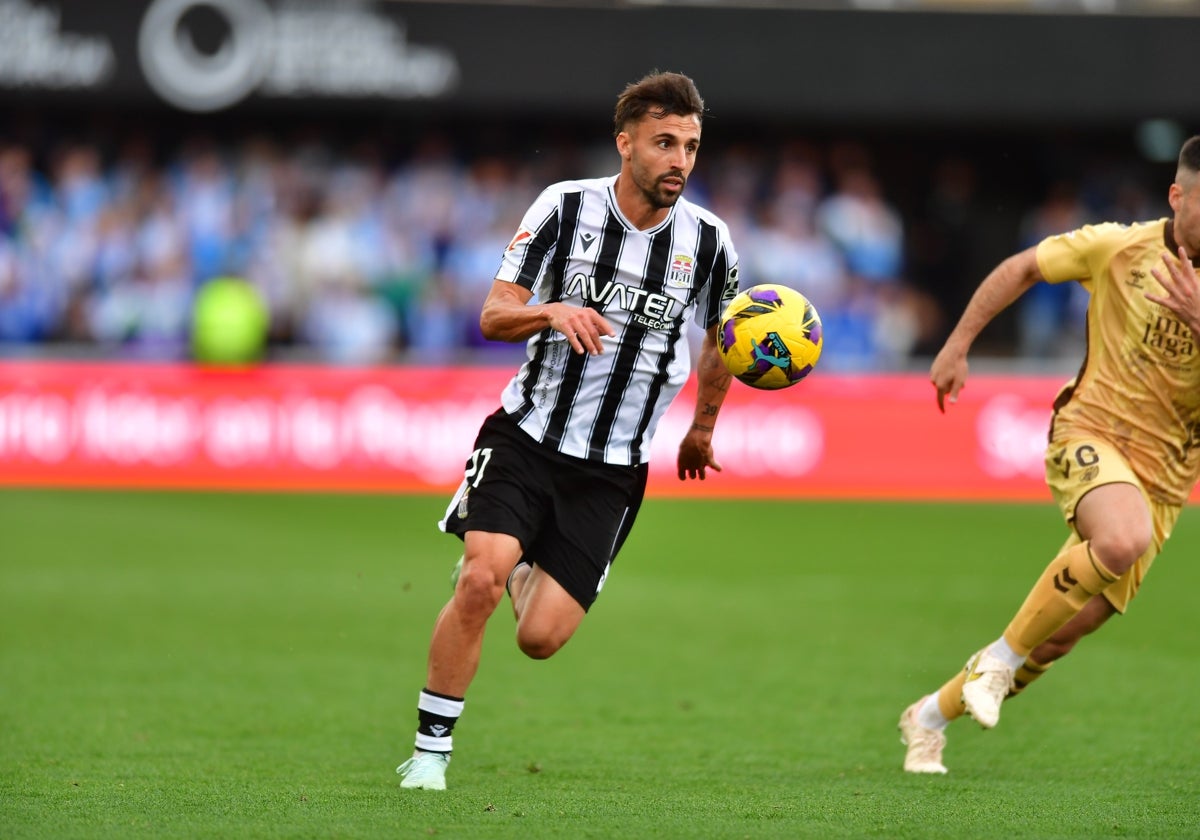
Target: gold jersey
x,y
1139,387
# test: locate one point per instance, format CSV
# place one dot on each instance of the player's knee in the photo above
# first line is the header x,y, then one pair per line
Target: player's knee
x,y
1119,549
539,644
478,588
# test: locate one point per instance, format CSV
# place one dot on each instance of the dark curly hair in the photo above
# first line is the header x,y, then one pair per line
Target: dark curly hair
x,y
659,95
1189,155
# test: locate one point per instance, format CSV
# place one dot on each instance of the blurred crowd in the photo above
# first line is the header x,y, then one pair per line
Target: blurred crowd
x,y
366,256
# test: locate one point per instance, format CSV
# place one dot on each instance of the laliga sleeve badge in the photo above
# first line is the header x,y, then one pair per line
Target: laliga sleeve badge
x,y
732,285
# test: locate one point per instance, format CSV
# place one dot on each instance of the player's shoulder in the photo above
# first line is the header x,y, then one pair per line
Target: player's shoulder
x,y
1116,234
686,209
594,186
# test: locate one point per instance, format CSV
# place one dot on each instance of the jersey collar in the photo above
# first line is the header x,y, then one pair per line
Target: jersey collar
x,y
616,208
1172,245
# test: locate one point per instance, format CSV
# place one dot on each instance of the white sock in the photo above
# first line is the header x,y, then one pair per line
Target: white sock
x,y
508,582
1006,654
930,714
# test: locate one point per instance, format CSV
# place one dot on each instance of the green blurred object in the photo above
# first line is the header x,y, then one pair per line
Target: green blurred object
x,y
229,323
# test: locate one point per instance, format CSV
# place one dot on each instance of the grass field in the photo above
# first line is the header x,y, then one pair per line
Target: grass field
x,y
226,666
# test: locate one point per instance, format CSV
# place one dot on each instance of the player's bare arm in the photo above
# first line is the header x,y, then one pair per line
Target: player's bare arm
x,y
1006,282
713,378
1181,288
506,316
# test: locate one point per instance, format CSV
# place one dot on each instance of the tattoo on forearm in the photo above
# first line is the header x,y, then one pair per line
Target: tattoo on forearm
x,y
700,427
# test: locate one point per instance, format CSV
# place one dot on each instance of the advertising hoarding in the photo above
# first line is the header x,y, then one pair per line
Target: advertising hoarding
x,y
406,429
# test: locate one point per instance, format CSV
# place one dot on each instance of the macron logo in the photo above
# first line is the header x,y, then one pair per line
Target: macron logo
x,y
587,239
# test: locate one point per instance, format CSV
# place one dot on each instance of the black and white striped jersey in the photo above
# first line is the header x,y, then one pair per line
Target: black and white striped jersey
x,y
575,246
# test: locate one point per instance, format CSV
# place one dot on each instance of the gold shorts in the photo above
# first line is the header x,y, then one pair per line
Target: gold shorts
x,y
1077,465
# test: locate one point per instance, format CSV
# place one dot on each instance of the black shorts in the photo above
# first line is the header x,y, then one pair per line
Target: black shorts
x,y
570,515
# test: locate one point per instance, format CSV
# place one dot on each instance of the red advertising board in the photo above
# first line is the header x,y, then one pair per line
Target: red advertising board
x,y
410,429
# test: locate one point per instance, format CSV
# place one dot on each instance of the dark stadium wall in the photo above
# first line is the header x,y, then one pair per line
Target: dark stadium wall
x,y
762,63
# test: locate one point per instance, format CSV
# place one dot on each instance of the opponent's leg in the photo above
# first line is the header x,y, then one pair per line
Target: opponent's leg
x,y
1066,585
923,737
1090,619
1097,611
1115,524
922,726
1029,671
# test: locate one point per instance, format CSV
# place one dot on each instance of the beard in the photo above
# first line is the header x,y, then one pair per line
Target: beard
x,y
659,198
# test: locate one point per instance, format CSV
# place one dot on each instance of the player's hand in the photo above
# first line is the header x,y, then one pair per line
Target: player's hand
x,y
696,454
582,326
1181,288
948,374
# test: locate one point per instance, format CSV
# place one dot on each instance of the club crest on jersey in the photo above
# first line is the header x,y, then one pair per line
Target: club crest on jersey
x,y
521,236
679,275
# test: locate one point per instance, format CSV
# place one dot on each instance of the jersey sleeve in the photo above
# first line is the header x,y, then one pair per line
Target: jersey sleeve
x,y
533,244
723,287
1070,256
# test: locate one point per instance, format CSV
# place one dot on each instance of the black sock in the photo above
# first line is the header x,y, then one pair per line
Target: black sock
x,y
436,716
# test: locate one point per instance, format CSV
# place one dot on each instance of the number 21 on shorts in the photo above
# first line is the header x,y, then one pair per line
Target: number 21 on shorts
x,y
476,464
472,475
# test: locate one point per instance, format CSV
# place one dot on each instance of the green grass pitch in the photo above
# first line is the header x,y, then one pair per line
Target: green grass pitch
x,y
177,665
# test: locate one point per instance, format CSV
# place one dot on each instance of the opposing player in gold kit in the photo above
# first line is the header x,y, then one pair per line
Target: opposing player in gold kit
x,y
1124,444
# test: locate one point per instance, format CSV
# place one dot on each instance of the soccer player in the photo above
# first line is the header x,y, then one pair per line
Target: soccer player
x,y
600,281
1122,456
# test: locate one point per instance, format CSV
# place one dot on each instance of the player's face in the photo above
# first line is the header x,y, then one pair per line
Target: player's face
x,y
1185,202
660,154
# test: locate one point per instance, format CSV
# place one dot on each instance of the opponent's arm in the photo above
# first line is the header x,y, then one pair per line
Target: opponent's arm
x,y
713,378
506,316
1006,282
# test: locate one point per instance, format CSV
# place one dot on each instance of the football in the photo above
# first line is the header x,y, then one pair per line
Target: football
x,y
770,336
